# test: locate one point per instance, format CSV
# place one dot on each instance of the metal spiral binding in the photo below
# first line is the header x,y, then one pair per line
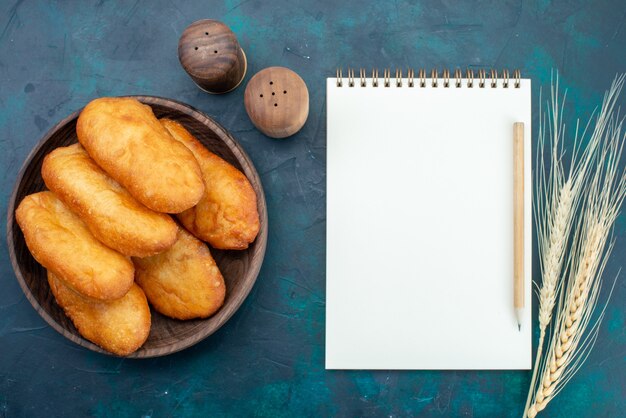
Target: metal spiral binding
x,y
422,77
446,78
410,75
482,77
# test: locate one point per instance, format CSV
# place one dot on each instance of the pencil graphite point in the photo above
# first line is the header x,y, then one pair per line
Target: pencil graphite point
x,y
518,316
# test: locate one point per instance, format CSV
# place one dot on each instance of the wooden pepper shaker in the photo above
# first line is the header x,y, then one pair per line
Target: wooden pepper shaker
x,y
277,101
210,53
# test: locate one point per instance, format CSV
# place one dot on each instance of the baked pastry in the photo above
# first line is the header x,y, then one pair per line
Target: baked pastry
x,y
183,282
120,326
112,215
62,243
226,216
124,137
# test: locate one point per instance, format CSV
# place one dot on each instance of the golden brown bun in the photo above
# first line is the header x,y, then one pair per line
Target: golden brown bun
x,y
120,326
125,138
61,242
184,281
110,212
226,217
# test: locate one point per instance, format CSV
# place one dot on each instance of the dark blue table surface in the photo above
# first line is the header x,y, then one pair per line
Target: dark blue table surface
x,y
268,360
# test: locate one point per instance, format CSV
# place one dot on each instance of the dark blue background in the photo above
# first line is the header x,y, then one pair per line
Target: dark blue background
x,y
269,359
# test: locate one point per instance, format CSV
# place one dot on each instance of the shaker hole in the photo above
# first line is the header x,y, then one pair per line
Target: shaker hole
x,y
275,104
215,52
260,95
284,91
273,94
196,48
206,33
271,82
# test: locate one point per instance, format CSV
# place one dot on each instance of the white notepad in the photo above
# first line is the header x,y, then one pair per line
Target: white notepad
x,y
420,226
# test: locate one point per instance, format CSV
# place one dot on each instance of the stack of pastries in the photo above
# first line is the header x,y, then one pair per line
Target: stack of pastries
x,y
105,233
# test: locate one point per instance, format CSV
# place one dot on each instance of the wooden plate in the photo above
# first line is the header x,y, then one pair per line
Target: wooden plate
x,y
239,268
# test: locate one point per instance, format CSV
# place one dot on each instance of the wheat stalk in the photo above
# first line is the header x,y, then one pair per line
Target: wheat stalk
x,y
603,195
556,201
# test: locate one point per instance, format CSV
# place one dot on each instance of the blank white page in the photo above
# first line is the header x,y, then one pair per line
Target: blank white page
x,y
420,227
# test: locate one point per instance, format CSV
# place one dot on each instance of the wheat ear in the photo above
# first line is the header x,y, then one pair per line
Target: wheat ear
x,y
557,197
570,343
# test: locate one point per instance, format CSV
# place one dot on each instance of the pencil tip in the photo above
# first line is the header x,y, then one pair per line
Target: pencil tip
x,y
519,327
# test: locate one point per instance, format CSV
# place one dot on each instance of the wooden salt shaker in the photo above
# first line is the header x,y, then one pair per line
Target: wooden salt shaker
x,y
277,101
210,53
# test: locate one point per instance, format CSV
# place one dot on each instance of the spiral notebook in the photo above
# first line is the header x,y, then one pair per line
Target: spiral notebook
x,y
420,221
